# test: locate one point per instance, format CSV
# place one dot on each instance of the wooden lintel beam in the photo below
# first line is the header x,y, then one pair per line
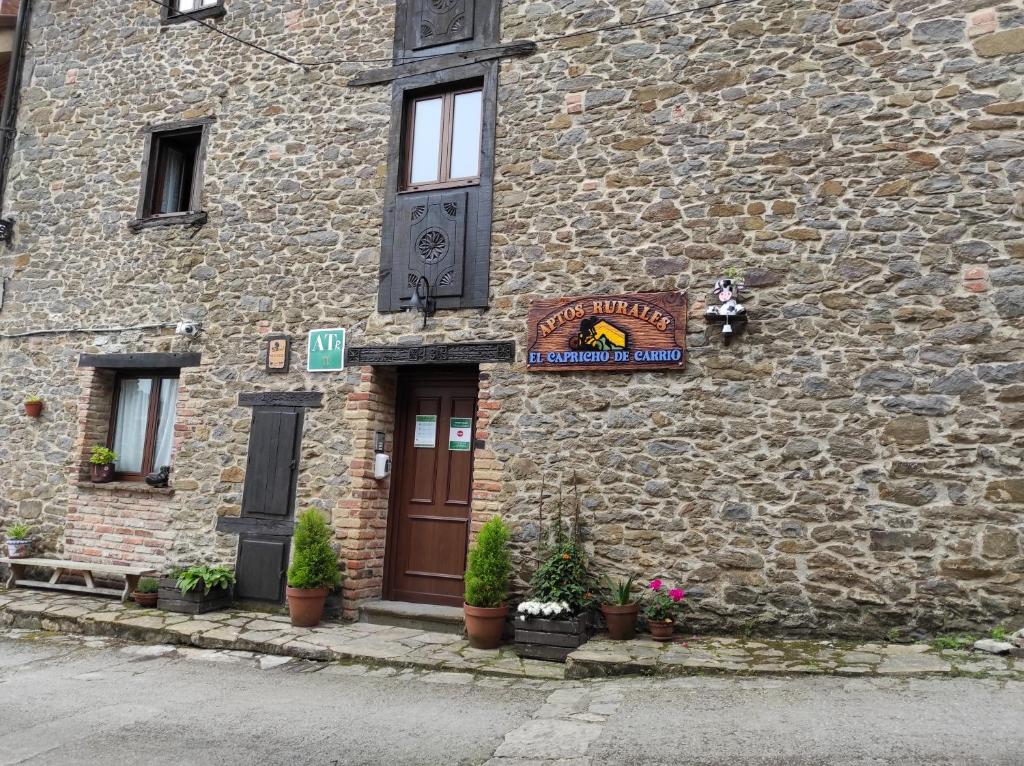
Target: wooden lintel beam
x,y
445,61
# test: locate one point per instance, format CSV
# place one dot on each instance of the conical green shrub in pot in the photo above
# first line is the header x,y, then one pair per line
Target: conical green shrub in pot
x,y
313,571
487,579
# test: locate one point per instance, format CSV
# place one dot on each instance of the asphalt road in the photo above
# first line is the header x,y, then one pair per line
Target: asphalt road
x,y
63,701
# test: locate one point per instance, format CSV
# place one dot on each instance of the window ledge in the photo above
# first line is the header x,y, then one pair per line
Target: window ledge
x,y
125,487
204,13
169,219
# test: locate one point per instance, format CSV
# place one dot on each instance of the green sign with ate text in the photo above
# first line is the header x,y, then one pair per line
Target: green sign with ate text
x,y
326,350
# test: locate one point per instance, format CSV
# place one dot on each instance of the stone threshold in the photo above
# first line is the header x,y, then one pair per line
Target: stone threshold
x,y
384,645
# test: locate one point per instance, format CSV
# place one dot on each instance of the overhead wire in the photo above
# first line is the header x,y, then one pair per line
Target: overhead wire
x,y
646,21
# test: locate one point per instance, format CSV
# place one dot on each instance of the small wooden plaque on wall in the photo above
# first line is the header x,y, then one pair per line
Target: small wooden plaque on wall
x,y
279,353
630,332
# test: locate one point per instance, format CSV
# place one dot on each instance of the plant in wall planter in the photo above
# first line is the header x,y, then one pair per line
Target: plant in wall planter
x,y
33,406
487,578
620,609
196,590
662,608
19,541
313,571
102,462
147,592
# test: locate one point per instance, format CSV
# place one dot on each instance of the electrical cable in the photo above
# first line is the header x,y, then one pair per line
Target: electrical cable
x,y
539,41
86,330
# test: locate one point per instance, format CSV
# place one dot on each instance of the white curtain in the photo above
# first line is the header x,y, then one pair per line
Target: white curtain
x,y
165,426
130,430
174,170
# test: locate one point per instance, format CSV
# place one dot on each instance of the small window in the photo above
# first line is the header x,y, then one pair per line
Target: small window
x,y
443,139
183,10
173,172
142,422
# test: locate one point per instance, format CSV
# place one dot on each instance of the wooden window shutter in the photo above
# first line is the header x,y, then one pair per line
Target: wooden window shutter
x,y
272,464
440,22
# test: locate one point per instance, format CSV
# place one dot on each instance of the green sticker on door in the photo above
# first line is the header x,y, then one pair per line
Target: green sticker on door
x,y
460,433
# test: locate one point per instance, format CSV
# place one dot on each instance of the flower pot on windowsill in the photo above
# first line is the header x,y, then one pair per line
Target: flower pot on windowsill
x,y
101,474
34,408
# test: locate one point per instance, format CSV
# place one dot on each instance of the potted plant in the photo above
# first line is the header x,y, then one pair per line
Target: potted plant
x,y
19,541
102,462
620,609
196,589
487,578
313,571
33,406
146,592
661,609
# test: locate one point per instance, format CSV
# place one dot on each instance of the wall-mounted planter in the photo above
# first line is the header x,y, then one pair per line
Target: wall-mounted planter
x,y
171,599
34,409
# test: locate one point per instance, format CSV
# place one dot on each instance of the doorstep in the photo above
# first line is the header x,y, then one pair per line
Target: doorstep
x,y
405,614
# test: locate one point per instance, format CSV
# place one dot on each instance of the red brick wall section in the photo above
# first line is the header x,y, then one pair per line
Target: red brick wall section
x,y
360,522
117,523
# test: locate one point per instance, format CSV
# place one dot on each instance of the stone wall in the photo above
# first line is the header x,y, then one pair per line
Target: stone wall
x,y
851,464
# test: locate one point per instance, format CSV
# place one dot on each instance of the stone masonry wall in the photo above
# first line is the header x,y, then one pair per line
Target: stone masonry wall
x,y
850,465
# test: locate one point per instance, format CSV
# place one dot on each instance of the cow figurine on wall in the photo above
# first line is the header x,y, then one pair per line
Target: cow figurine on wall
x,y
727,290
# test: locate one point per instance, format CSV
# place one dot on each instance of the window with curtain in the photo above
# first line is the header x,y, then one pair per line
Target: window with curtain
x,y
188,6
442,136
173,160
142,423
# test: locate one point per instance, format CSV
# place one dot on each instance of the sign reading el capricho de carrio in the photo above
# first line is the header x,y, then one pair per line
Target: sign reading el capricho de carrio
x,y
635,331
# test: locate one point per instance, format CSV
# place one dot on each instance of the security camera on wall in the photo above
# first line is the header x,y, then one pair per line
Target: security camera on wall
x,y
188,329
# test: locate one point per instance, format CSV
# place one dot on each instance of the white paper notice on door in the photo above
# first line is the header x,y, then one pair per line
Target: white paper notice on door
x,y
460,432
426,431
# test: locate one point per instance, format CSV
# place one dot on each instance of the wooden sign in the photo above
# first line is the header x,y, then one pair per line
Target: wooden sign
x,y
279,351
635,331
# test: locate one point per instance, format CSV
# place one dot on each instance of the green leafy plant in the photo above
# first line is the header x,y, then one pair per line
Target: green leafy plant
x,y
663,603
34,399
734,273
314,564
19,532
100,455
563,576
209,577
998,633
619,592
147,585
490,566
953,642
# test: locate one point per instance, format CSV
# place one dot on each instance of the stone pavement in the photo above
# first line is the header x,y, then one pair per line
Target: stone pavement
x,y
380,645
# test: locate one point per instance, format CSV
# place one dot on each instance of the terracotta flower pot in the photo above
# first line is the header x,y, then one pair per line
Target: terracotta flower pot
x,y
33,409
484,626
101,474
145,599
621,620
306,606
661,631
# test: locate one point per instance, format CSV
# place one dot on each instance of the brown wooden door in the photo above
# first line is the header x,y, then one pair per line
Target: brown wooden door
x,y
432,487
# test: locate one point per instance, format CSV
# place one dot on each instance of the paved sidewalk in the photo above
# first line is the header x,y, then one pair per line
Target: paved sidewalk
x,y
249,631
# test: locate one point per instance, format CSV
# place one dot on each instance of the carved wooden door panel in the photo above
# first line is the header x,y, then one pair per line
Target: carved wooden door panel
x,y
439,22
432,487
430,241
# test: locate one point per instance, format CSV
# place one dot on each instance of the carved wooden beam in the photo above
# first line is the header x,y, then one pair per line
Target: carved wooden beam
x,y
445,61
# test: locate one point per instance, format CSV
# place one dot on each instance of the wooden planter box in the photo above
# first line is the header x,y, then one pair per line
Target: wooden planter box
x,y
542,639
171,599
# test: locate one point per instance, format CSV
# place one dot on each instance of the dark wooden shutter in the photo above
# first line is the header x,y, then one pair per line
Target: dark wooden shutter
x,y
440,22
430,241
272,464
261,566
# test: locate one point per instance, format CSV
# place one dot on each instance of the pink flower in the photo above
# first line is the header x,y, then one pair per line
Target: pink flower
x,y
655,584
676,594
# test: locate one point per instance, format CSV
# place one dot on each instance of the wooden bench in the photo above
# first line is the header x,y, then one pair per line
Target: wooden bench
x,y
86,570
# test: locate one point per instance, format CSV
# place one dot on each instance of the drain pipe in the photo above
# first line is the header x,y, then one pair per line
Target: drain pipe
x,y
9,116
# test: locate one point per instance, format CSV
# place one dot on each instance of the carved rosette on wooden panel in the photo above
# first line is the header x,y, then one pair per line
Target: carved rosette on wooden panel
x,y
430,241
439,22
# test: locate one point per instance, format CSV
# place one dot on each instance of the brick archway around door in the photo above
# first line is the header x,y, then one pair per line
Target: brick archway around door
x,y
361,519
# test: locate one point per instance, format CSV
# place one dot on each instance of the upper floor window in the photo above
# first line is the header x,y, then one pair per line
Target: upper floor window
x,y
443,139
142,424
182,10
172,174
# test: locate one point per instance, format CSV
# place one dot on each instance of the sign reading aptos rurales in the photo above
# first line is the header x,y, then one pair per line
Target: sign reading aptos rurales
x,y
635,331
